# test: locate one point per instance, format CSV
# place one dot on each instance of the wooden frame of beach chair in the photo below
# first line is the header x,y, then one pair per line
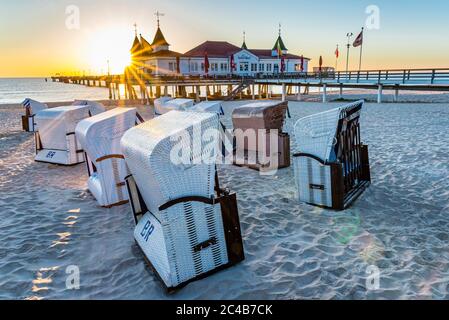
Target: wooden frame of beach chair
x,y
186,225
55,139
100,137
332,170
266,119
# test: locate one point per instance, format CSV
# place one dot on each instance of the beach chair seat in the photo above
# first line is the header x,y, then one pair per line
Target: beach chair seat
x,y
187,227
32,107
173,105
94,107
332,166
99,136
208,106
260,142
55,139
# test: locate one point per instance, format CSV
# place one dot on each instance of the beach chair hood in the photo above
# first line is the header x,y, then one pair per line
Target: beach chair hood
x,y
164,107
208,106
150,151
94,107
56,123
100,138
34,106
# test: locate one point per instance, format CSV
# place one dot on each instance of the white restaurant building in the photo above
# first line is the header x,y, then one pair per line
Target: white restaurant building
x,y
158,60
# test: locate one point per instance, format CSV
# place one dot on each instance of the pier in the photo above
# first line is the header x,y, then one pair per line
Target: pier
x,y
132,85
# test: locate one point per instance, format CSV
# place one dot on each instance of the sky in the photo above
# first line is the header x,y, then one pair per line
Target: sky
x,y
42,37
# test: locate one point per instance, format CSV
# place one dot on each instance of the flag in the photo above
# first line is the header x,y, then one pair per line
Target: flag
x,y
233,66
359,40
282,65
302,63
337,53
206,63
321,63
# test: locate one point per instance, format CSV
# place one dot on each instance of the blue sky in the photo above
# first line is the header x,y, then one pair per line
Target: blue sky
x,y
412,34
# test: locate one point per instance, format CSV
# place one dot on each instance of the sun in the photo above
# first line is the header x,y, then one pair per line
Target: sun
x,y
108,48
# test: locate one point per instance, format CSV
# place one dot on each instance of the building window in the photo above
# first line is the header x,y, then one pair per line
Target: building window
x,y
224,67
269,67
253,67
194,67
202,66
261,67
214,67
172,66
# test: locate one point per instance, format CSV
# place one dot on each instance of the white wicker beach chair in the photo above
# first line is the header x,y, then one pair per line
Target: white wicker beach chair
x,y
159,102
94,107
261,143
187,227
32,107
208,106
55,139
173,105
332,166
100,137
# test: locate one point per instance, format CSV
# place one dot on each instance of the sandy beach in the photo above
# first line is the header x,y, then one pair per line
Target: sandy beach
x,y
49,221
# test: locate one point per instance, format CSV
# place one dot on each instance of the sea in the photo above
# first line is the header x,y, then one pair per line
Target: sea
x,y
15,90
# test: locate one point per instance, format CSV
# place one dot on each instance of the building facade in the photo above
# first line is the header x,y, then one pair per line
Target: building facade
x,y
214,58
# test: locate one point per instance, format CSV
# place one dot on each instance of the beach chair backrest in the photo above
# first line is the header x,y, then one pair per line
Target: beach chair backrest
x,y
55,125
320,134
170,159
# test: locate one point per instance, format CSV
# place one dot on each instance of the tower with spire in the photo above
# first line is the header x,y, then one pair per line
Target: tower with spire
x,y
159,42
279,45
244,46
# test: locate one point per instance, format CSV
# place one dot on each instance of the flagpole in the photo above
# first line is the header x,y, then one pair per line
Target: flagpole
x,y
361,52
349,35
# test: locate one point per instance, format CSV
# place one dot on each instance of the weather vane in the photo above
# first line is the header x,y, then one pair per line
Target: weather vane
x,y
159,15
280,28
135,28
244,36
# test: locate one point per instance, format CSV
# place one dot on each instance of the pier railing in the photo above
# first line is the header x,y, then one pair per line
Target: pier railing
x,y
392,76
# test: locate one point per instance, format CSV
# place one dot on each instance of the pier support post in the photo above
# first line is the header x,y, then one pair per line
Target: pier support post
x,y
110,90
325,93
197,93
254,92
298,94
379,94
396,94
284,92
341,91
